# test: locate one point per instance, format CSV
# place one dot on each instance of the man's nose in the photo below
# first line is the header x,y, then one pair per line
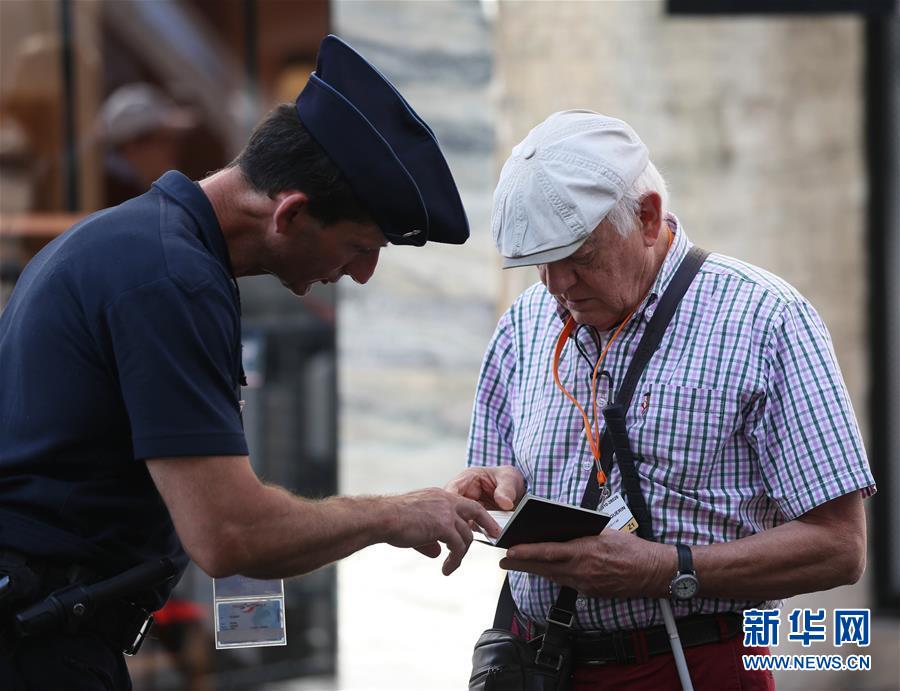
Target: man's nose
x,y
362,267
557,277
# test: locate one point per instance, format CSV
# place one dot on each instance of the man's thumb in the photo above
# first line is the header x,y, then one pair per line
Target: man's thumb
x,y
503,498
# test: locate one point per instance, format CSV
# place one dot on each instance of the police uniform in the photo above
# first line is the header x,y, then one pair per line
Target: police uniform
x,y
121,342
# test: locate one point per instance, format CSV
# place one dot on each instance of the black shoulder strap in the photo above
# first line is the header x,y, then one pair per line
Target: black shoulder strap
x,y
649,342
506,607
647,346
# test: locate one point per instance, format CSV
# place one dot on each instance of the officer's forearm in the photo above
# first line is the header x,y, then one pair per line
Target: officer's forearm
x,y
229,522
289,535
822,549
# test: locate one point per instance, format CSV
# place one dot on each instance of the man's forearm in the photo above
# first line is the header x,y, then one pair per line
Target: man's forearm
x,y
821,550
769,566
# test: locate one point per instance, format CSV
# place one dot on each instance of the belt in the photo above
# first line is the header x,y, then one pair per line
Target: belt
x,y
638,645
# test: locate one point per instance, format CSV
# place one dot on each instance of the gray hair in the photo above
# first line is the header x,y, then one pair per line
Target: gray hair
x,y
624,215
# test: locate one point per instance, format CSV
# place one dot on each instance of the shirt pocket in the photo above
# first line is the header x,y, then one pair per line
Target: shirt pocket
x,y
678,433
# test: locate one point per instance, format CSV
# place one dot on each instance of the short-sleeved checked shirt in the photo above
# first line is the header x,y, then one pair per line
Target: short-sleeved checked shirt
x,y
740,422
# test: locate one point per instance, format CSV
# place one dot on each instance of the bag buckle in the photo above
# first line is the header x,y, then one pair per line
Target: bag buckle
x,y
135,645
547,660
560,617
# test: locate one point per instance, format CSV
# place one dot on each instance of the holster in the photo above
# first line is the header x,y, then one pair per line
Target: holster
x,y
28,585
18,580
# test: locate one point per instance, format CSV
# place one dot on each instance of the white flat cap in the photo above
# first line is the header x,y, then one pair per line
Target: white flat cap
x,y
560,182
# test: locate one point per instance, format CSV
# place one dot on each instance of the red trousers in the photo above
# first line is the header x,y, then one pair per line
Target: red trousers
x,y
713,667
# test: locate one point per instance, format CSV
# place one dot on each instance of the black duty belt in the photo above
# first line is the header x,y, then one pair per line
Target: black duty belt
x,y
623,647
104,607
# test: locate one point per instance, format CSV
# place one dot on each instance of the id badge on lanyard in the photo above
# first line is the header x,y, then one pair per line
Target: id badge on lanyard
x,y
620,517
249,612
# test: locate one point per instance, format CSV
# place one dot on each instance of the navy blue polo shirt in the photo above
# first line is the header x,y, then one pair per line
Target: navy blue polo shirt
x,y
121,342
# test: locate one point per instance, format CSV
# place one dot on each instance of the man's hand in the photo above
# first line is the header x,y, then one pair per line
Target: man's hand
x,y
494,487
427,517
612,564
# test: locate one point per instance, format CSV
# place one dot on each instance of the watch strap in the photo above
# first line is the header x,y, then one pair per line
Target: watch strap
x,y
685,559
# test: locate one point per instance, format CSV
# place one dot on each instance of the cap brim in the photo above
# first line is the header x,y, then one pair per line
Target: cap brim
x,y
544,257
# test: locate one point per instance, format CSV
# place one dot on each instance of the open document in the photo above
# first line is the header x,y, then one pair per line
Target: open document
x,y
542,520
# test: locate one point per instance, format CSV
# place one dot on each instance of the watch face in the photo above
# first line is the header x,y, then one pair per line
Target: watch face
x,y
684,586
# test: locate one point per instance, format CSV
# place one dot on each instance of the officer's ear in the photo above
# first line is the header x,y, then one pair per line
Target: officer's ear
x,y
291,212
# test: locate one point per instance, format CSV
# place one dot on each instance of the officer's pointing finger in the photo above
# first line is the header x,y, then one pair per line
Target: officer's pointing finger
x,y
472,511
462,527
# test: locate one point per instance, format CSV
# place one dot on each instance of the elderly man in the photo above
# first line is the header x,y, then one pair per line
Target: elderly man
x,y
744,438
121,440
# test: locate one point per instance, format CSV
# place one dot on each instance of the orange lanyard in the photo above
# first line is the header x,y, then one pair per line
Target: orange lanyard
x,y
591,431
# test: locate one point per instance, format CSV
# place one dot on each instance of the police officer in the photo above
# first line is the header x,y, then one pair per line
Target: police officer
x,y
120,430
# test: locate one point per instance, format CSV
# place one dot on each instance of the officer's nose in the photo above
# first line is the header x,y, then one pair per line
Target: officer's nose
x,y
362,267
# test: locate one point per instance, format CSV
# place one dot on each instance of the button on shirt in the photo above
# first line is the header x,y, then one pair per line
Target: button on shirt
x,y
121,342
741,421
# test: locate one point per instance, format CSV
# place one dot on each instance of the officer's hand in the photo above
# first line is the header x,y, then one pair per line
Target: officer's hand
x,y
495,487
612,564
425,518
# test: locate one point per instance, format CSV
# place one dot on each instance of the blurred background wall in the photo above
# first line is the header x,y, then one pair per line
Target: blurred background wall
x,y
773,130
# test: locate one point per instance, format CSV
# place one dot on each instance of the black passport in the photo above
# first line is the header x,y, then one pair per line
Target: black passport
x,y
541,520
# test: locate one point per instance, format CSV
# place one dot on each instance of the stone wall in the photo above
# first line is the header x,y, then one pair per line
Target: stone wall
x,y
410,344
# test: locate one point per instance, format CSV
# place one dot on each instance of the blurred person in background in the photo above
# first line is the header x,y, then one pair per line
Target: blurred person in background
x,y
745,442
121,440
142,129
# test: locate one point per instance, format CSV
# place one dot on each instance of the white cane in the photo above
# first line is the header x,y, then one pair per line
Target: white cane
x,y
680,663
615,424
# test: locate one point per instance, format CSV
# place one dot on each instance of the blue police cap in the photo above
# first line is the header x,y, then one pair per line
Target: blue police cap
x,y
387,153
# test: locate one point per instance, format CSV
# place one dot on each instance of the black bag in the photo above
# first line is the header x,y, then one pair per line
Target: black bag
x,y
504,662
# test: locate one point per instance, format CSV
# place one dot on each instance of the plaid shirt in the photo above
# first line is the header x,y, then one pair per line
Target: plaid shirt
x,y
741,421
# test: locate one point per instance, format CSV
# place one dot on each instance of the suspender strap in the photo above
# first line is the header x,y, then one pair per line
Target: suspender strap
x,y
562,613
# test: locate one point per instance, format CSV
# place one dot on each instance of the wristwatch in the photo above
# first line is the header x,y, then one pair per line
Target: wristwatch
x,y
685,584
